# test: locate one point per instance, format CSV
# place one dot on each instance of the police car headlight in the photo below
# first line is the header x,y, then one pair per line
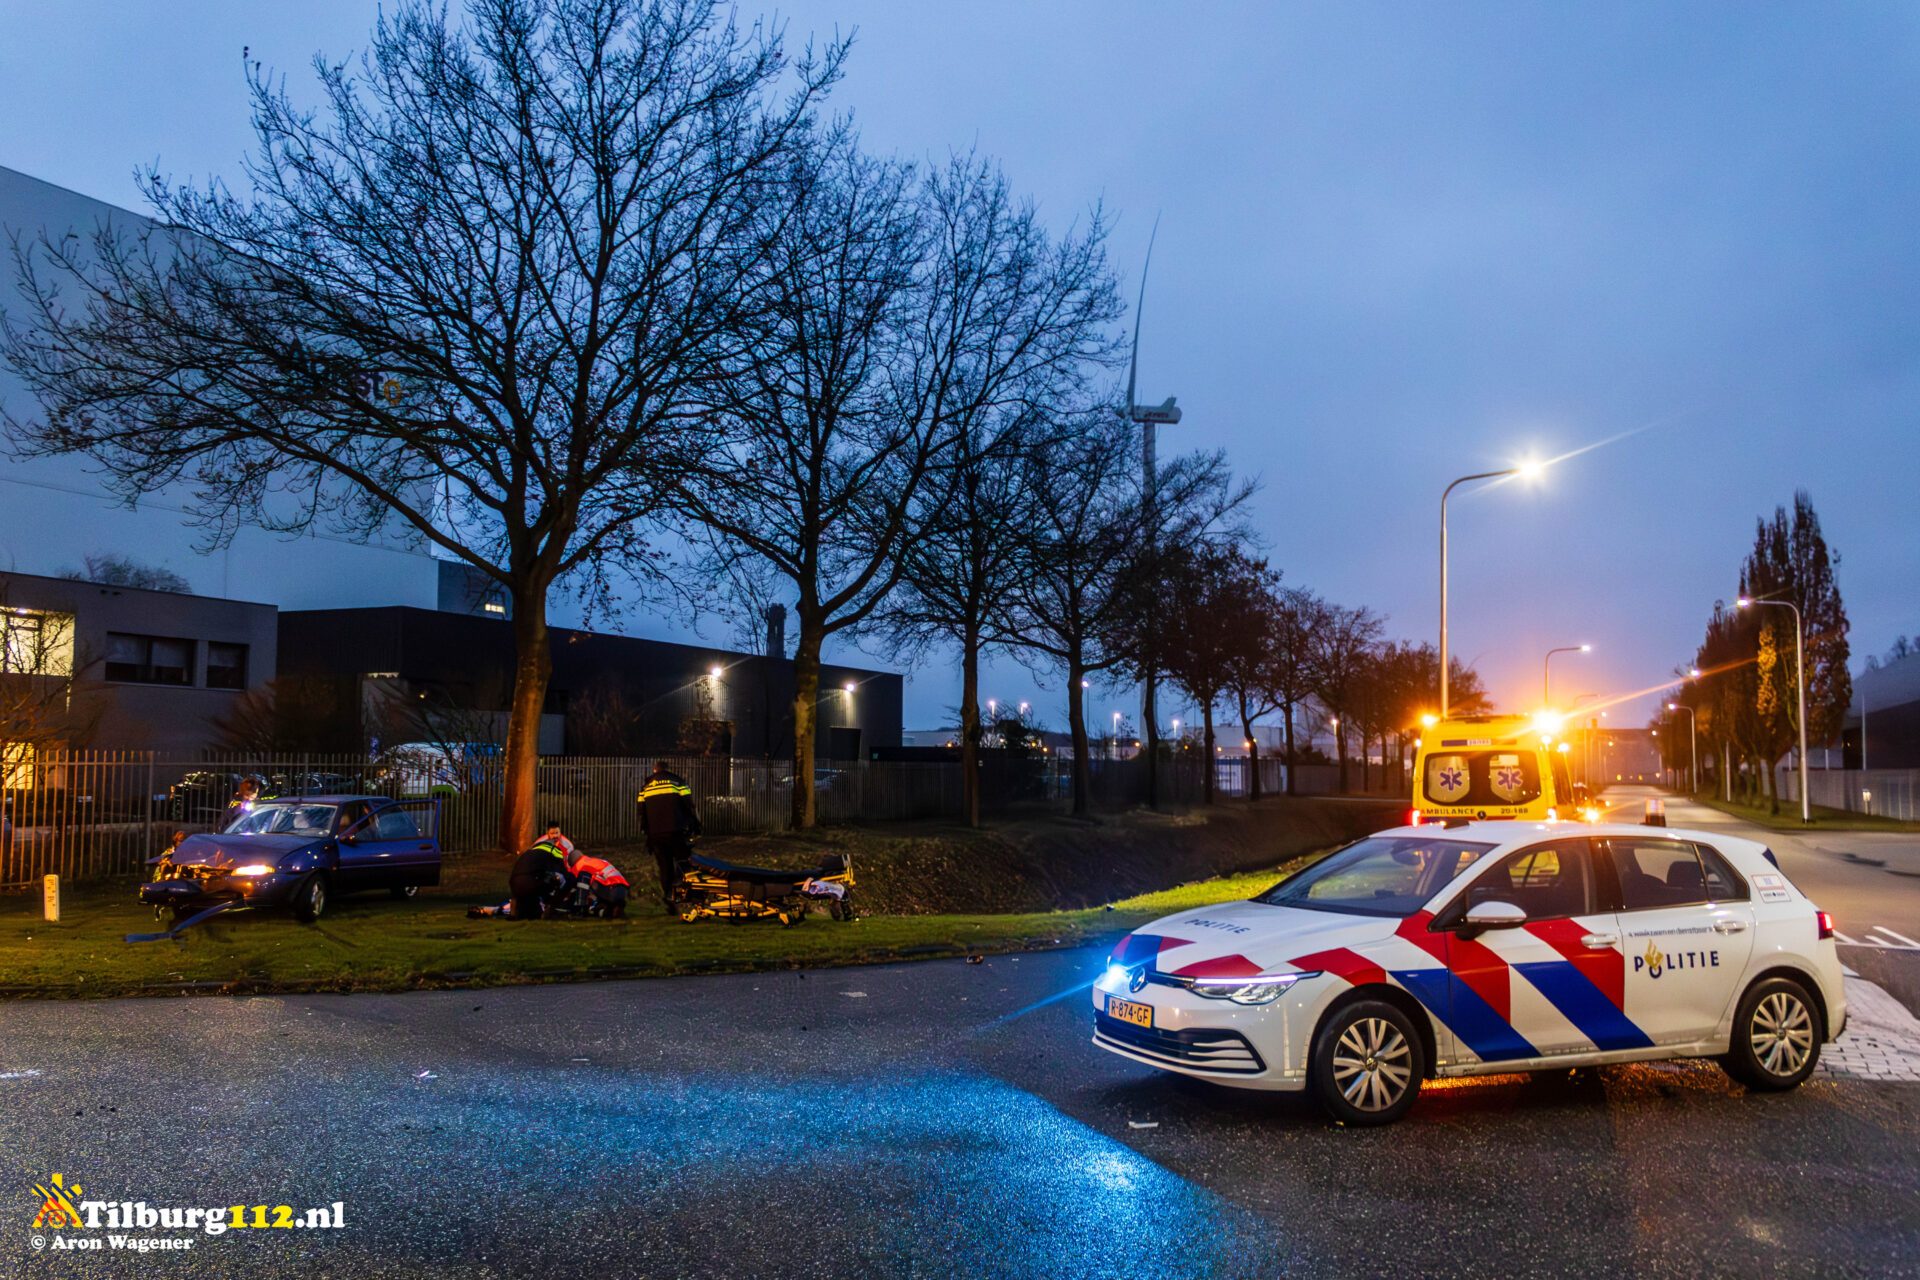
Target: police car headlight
x,y
1263,989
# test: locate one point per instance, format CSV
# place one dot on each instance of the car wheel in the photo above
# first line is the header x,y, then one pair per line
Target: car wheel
x,y
310,898
401,892
1776,1036
1367,1063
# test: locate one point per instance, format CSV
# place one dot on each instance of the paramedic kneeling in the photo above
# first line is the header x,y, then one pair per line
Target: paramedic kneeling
x,y
604,880
535,874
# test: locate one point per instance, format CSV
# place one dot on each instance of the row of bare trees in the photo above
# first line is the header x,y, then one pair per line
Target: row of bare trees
x,y
593,294
1258,649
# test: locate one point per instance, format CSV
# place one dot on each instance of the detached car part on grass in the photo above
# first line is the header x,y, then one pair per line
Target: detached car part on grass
x,y
296,853
712,889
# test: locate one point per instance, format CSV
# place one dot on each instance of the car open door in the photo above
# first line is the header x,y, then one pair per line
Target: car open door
x,y
393,846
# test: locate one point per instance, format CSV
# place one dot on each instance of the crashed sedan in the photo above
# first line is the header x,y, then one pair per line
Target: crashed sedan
x,y
299,853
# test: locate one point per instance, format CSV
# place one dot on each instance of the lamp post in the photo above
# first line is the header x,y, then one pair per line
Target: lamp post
x,y
1800,680
1693,748
1525,469
1546,669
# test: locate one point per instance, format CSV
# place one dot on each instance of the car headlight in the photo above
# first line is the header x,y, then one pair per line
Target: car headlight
x,y
252,869
1262,989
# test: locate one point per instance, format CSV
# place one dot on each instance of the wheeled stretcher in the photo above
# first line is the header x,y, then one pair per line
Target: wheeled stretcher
x,y
709,887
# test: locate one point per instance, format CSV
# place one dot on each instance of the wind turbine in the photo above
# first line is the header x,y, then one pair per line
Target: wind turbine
x,y
1149,417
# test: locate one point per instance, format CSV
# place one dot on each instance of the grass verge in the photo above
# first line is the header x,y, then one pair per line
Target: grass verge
x,y
370,943
1788,819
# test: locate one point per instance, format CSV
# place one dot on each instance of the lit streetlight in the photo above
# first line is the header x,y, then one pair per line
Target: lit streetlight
x,y
1800,681
1525,470
1546,669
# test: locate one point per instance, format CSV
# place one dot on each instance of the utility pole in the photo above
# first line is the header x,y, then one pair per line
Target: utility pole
x,y
1149,417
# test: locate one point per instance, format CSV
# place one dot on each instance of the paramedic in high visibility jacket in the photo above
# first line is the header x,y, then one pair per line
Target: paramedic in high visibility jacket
x,y
538,874
603,880
669,821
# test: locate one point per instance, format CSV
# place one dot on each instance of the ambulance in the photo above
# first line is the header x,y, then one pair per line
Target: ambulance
x,y
1476,768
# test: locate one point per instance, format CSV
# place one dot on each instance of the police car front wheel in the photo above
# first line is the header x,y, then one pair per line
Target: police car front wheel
x,y
1367,1063
1776,1036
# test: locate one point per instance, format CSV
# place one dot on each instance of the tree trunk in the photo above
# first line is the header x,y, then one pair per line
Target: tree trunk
x,y
1291,762
970,727
1207,752
1340,749
1253,753
1364,761
532,670
1150,714
806,702
1077,722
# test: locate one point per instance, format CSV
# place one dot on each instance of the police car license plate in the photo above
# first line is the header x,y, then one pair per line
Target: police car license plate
x,y
1140,1015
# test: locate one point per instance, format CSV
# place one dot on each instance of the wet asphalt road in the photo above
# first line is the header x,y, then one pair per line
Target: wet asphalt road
x,y
932,1119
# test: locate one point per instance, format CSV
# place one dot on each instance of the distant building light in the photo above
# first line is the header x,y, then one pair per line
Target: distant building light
x,y
494,606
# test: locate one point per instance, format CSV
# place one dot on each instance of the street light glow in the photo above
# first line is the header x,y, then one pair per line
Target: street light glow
x,y
714,672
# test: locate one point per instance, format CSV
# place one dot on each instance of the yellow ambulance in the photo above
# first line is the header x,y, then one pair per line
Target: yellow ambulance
x,y
1495,766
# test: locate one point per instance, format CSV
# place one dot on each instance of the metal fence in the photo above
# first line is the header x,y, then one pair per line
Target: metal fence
x,y
1888,793
88,814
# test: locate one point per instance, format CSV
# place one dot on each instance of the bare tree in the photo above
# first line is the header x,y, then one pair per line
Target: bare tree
x,y
1039,312
1072,577
816,472
125,571
1247,616
1290,667
477,296
1343,646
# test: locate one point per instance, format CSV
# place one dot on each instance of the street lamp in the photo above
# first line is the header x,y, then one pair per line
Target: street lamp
x,y
1546,669
1800,680
1693,748
1525,470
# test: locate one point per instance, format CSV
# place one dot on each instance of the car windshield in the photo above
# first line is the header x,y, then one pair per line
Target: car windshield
x,y
284,820
1378,876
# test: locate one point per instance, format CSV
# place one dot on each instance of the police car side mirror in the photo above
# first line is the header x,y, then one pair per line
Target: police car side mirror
x,y
1482,916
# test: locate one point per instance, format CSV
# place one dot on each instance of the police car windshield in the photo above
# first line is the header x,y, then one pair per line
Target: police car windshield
x,y
1378,876
284,820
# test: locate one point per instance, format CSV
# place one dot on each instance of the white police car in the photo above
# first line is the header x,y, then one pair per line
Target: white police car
x,y
1479,948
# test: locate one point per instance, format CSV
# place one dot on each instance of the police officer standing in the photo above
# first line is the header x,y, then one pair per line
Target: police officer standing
x,y
669,821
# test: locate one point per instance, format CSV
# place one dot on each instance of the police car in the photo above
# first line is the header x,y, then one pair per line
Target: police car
x,y
1482,947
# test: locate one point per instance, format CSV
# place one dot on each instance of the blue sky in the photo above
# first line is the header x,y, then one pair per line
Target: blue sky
x,y
1398,243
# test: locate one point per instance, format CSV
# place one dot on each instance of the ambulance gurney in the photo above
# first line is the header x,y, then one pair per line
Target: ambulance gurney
x,y
710,887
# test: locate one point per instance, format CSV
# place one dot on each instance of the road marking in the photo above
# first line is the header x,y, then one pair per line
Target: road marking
x,y
1845,939
1900,936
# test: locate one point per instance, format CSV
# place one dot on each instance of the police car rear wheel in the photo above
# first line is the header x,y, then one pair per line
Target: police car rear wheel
x,y
1776,1036
1367,1063
404,891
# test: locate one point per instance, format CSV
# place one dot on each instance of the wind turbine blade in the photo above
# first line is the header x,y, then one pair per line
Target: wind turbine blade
x,y
1133,364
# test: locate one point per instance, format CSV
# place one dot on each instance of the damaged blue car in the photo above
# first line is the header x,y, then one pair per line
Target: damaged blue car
x,y
300,853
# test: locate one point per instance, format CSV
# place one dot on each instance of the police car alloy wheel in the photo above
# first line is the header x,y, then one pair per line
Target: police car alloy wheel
x,y
1367,1063
1776,1036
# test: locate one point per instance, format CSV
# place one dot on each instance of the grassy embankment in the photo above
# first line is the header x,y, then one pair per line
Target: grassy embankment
x,y
942,893
1788,819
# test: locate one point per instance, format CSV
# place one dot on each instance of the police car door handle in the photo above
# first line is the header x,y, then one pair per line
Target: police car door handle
x,y
1597,941
1729,926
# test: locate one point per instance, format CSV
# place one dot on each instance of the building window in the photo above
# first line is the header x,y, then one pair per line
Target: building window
x,y
226,666
36,644
149,659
